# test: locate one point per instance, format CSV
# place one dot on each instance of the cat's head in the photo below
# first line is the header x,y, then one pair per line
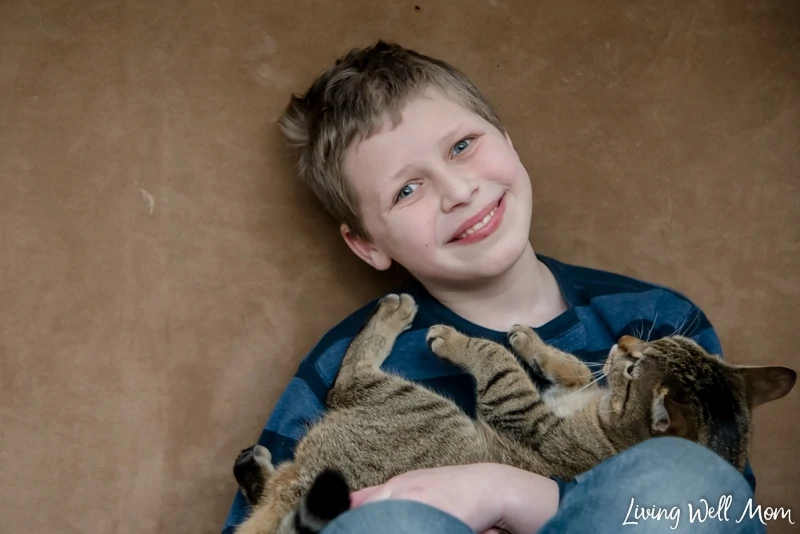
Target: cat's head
x,y
672,386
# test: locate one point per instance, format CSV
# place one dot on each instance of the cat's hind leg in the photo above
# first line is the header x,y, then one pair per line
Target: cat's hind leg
x,y
252,470
273,513
557,366
279,503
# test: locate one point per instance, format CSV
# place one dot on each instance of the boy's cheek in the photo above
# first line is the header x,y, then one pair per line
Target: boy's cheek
x,y
506,171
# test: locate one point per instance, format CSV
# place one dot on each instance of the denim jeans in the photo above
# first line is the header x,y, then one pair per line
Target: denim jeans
x,y
671,475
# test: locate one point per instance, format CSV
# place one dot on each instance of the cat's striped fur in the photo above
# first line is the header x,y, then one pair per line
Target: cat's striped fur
x,y
379,425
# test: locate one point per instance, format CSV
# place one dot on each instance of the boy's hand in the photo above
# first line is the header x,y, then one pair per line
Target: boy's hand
x,y
484,496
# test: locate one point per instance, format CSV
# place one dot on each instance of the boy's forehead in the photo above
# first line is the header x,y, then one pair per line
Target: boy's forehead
x,y
442,101
431,111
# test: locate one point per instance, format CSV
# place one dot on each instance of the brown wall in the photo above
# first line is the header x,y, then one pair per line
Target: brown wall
x,y
162,274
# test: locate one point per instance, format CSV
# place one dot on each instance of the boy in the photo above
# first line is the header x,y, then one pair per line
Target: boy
x,y
417,169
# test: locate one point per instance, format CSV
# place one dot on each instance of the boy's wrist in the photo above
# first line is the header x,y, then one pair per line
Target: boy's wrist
x,y
529,500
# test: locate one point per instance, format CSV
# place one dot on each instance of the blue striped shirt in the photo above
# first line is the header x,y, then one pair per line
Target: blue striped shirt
x,y
602,307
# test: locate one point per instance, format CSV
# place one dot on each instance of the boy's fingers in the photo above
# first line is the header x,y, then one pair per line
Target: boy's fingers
x,y
370,494
357,497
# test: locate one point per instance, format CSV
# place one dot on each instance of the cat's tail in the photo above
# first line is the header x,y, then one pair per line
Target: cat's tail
x,y
328,498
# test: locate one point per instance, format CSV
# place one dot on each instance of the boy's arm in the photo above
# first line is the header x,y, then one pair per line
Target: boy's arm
x,y
705,335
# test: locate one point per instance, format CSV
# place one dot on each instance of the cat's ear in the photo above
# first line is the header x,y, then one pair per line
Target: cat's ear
x,y
671,418
766,383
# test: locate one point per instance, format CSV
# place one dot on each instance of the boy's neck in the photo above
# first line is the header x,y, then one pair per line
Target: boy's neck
x,y
528,293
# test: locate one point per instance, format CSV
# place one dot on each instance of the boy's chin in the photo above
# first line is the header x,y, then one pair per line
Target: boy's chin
x,y
490,268
482,268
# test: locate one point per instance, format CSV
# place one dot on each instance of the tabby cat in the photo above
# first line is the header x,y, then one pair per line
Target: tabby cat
x,y
379,425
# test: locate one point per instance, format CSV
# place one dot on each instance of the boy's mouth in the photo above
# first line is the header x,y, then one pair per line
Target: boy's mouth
x,y
481,225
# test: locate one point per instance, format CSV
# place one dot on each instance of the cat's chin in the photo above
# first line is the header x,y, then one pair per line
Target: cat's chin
x,y
611,380
604,402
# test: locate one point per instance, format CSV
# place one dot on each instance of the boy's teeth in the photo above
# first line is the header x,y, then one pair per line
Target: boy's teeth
x,y
479,225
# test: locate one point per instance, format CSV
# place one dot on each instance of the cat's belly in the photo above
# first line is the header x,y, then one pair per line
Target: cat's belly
x,y
370,445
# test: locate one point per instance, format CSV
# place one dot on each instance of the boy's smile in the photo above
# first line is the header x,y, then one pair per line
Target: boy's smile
x,y
442,192
481,225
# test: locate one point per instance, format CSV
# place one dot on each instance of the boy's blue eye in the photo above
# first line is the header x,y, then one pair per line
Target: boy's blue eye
x,y
461,146
406,190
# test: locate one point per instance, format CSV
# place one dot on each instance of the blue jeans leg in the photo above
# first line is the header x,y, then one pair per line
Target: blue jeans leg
x,y
395,517
670,475
673,476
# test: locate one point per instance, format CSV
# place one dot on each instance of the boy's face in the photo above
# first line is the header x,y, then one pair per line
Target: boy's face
x,y
444,194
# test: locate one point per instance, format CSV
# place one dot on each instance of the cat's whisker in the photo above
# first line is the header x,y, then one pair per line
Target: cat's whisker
x,y
561,356
590,365
679,327
586,386
566,357
672,333
652,326
638,333
590,375
695,322
690,327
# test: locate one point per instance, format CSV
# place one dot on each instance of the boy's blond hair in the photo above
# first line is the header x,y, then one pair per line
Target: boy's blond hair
x,y
350,101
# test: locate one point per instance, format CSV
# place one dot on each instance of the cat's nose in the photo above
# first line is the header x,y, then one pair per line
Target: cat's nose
x,y
628,343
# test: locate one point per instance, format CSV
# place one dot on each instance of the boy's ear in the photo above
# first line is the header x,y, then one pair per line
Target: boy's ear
x,y
365,250
508,138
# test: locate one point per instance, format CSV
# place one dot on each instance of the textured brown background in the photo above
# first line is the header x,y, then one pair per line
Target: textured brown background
x,y
162,274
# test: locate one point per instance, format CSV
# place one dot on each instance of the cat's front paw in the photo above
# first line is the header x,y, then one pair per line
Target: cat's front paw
x,y
446,342
396,311
549,362
525,341
252,468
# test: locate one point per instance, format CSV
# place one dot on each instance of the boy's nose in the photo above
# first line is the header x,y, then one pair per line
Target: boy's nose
x,y
456,191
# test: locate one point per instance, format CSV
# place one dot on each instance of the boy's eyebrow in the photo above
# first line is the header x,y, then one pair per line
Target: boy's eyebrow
x,y
399,174
444,142
446,139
